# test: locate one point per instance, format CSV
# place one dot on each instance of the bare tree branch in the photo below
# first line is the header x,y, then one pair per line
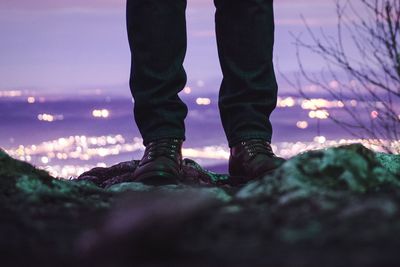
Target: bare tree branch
x,y
373,75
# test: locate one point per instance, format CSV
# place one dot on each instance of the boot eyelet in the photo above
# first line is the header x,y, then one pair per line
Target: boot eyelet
x,y
243,142
149,157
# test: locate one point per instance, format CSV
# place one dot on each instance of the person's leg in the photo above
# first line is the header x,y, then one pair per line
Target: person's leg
x,y
248,92
157,39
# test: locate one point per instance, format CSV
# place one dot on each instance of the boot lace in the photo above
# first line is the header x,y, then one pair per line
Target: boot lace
x,y
163,147
258,146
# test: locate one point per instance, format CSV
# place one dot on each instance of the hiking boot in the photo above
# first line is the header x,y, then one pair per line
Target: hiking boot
x,y
161,163
252,159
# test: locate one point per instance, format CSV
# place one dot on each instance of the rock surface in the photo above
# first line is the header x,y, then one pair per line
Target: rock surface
x,y
333,207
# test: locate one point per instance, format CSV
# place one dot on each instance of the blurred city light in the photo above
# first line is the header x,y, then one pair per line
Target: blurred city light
x,y
101,113
302,124
31,100
318,114
374,114
10,93
49,118
203,101
53,155
286,102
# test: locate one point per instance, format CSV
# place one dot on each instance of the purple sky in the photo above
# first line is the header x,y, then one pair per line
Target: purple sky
x,y
65,45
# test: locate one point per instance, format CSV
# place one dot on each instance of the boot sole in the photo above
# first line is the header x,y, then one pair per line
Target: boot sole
x,y
157,178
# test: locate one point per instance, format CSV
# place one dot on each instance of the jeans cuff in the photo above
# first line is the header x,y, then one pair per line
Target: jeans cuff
x,y
233,141
149,138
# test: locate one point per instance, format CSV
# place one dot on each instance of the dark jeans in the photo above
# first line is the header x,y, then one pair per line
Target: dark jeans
x,y
245,37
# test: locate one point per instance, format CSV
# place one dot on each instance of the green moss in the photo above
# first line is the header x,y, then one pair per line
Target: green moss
x,y
217,193
32,187
351,168
334,201
130,186
390,162
10,167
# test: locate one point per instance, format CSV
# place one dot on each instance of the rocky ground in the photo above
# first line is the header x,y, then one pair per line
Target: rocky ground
x,y
333,207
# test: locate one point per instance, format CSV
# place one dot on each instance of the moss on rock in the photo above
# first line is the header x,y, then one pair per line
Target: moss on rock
x,y
330,207
351,168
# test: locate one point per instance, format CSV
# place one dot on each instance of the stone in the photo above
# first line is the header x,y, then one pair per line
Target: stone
x,y
329,207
